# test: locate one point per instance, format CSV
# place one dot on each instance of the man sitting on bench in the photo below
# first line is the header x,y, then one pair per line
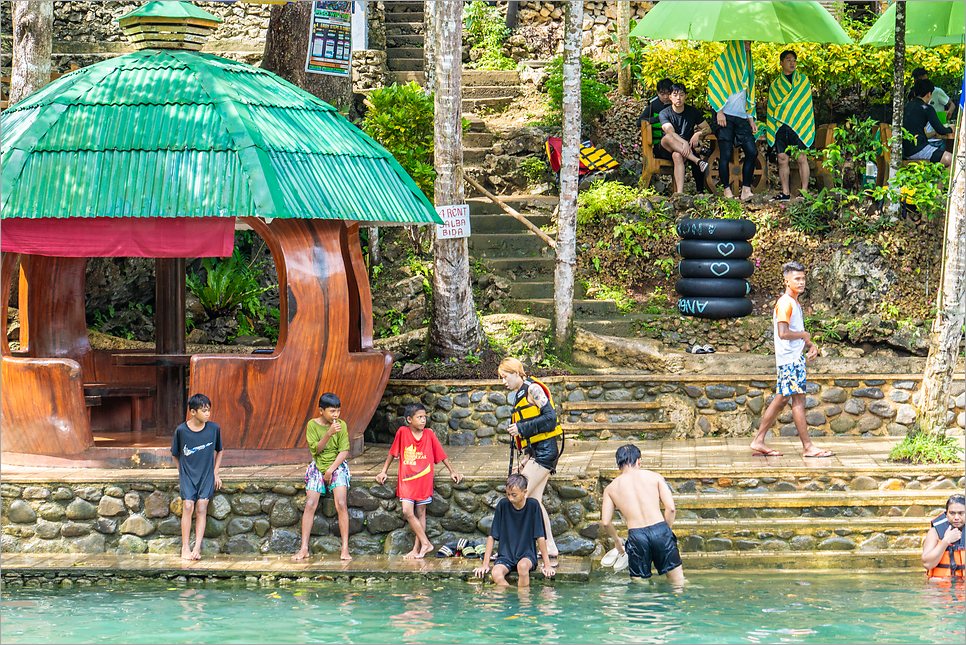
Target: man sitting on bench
x,y
684,126
916,115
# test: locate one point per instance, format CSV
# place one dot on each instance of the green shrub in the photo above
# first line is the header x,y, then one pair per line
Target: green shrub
x,y
533,168
229,286
593,93
401,120
487,28
606,198
924,448
921,186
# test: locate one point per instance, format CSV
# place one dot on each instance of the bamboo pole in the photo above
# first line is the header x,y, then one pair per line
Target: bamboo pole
x,y
511,212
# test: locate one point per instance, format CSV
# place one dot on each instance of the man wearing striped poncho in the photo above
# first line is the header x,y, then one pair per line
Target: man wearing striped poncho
x,y
731,92
790,121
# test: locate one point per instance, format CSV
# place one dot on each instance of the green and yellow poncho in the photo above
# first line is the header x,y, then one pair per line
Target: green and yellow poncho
x,y
791,103
731,73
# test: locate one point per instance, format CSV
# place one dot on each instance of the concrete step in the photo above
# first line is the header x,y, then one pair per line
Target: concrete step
x,y
469,78
504,245
477,125
623,326
503,223
636,430
528,290
494,104
522,203
523,268
406,40
732,504
898,560
404,52
476,140
396,16
543,307
407,64
475,155
404,29
489,91
486,77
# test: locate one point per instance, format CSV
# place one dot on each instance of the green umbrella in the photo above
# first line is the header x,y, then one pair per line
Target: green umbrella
x,y
773,22
927,23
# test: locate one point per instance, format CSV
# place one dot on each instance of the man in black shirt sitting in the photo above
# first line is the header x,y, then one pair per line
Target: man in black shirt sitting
x,y
656,104
684,126
917,114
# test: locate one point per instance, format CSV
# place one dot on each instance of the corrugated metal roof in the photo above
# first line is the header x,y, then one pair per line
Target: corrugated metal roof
x,y
167,133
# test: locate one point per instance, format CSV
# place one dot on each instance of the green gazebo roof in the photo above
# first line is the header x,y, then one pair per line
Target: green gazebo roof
x,y
170,10
171,133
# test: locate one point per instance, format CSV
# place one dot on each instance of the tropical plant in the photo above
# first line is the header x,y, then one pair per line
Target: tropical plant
x,y
924,448
485,25
229,285
593,93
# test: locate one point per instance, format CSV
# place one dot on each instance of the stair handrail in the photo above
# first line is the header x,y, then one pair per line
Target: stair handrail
x,y
511,212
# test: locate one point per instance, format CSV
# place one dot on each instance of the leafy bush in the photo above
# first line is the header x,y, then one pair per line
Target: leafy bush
x,y
924,448
921,187
533,168
229,285
593,93
401,120
605,198
486,27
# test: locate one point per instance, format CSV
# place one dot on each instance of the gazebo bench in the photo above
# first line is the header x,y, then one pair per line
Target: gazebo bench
x,y
94,392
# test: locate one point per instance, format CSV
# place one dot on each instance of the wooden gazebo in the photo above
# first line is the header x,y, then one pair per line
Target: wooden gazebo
x,y
161,153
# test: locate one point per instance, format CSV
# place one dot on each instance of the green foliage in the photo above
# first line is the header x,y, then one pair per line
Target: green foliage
x,y
533,168
394,322
229,285
618,294
401,120
924,448
605,198
666,265
593,93
921,186
634,59
487,28
818,213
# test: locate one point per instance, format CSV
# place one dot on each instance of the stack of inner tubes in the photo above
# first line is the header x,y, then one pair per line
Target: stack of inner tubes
x,y
714,268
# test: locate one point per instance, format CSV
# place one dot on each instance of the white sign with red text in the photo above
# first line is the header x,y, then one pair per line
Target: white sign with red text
x,y
456,221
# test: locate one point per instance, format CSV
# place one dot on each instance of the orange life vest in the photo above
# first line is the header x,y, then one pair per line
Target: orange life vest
x,y
952,563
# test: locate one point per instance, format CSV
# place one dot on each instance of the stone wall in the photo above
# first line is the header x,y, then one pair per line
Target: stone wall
x,y
468,412
266,517
369,69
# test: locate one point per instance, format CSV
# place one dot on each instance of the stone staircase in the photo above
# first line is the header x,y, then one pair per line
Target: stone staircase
x,y
404,36
482,89
508,249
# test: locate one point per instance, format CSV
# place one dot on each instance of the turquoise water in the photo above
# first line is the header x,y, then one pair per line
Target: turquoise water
x,y
714,608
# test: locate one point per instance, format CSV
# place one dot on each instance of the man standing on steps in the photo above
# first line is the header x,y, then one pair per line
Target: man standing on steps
x,y
791,339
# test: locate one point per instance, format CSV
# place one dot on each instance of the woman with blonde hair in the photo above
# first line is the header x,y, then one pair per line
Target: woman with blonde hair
x,y
534,428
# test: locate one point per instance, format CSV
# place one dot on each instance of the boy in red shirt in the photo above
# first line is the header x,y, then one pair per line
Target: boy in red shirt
x,y
418,450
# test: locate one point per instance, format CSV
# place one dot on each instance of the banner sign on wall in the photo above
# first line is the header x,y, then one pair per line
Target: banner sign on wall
x,y
330,41
456,221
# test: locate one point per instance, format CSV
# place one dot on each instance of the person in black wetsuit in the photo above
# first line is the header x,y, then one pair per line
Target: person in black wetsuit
x,y
534,425
916,115
656,104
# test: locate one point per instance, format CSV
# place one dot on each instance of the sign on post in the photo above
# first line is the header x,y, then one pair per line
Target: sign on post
x,y
456,221
330,41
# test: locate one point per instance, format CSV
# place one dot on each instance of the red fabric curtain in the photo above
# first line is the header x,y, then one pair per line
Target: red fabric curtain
x,y
154,237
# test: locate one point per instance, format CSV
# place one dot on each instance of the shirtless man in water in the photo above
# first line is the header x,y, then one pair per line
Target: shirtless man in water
x,y
638,494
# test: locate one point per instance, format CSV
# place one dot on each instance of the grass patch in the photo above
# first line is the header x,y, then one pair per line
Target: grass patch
x,y
924,448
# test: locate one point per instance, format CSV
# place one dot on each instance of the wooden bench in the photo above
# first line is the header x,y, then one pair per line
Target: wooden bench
x,y
94,392
884,159
653,165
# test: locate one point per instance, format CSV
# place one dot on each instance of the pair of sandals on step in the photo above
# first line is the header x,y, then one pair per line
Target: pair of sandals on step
x,y
701,349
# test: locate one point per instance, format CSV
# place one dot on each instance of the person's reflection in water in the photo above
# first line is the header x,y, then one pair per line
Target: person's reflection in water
x,y
418,617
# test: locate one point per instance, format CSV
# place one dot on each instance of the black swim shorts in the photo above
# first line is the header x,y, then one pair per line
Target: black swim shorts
x,y
511,565
655,543
786,138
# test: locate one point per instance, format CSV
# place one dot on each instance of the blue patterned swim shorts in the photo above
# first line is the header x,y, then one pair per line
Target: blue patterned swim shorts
x,y
315,482
791,377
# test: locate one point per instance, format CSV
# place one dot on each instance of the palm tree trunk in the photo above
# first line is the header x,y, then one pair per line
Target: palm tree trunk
x,y
563,277
455,328
32,28
950,304
430,43
624,87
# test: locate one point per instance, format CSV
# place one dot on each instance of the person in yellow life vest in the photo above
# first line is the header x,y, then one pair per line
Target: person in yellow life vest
x,y
790,121
945,544
534,427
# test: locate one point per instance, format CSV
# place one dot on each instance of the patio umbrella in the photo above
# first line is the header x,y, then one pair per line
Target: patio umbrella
x,y
773,22
927,24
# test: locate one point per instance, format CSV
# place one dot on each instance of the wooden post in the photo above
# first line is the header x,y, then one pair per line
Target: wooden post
x,y
169,321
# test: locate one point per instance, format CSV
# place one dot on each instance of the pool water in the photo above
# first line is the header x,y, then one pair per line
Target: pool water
x,y
713,608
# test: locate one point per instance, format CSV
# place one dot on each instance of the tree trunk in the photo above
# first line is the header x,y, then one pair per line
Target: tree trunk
x,y
624,87
430,44
563,276
950,303
375,255
286,46
455,328
898,92
32,28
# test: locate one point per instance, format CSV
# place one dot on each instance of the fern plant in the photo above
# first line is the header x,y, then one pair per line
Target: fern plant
x,y
229,284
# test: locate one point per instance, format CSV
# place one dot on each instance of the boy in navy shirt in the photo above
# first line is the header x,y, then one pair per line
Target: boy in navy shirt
x,y
518,526
196,449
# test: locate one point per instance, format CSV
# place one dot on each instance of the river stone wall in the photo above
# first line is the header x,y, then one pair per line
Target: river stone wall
x,y
266,517
476,412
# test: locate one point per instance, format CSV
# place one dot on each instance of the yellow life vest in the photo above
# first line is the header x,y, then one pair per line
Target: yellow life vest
x,y
524,410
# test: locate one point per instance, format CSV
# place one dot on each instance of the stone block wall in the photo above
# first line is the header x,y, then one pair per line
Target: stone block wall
x,y
369,69
266,517
476,412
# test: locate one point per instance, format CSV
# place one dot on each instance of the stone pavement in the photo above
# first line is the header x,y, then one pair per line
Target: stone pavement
x,y
709,457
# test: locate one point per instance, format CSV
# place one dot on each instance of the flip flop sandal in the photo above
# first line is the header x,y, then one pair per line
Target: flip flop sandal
x,y
708,349
461,545
621,563
830,454
772,453
447,550
609,558
702,165
697,349
473,552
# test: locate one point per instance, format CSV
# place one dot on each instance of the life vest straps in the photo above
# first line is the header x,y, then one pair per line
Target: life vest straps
x,y
524,410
